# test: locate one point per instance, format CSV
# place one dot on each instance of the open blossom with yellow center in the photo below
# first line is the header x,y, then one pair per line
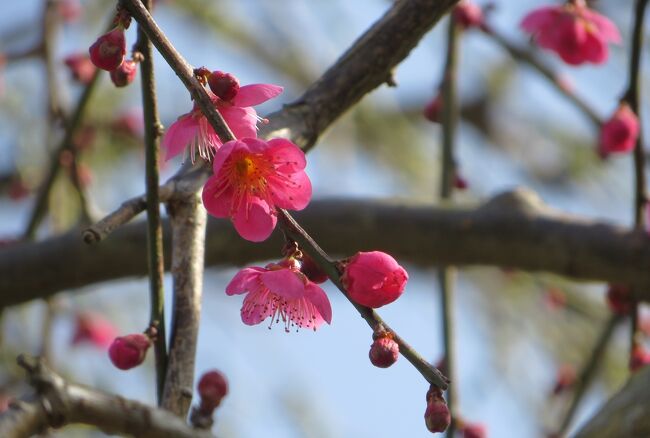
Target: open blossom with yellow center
x,y
253,177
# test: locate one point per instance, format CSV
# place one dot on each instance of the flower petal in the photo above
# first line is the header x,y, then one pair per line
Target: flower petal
x,y
181,133
222,154
318,298
291,191
286,156
242,121
606,28
255,309
244,280
255,223
254,94
217,206
284,282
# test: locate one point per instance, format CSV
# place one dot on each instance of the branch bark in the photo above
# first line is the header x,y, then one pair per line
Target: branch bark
x,y
188,223
513,230
58,403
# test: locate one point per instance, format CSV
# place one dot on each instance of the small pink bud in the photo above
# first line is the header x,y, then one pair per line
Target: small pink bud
x,y
311,270
620,132
437,416
69,10
129,351
212,388
18,189
384,352
109,50
124,74
93,329
81,67
373,279
460,183
468,14
554,298
639,357
224,85
432,112
565,379
473,430
619,299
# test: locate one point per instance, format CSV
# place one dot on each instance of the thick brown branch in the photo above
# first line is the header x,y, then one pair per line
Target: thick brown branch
x,y
513,230
626,414
58,403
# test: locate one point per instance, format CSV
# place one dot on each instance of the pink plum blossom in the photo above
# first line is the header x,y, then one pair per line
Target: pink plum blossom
x,y
468,14
194,131
373,279
620,132
81,67
253,177
282,292
573,31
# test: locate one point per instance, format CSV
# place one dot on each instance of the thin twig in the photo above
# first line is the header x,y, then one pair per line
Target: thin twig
x,y
307,244
588,372
40,206
446,275
528,58
152,133
58,403
632,96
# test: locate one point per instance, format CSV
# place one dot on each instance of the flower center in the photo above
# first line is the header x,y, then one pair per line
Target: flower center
x,y
245,168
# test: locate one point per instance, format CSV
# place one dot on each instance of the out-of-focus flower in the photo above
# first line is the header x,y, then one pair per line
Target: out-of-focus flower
x,y
575,32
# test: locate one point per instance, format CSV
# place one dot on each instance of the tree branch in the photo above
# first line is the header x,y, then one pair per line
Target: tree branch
x,y
513,230
188,223
58,403
152,133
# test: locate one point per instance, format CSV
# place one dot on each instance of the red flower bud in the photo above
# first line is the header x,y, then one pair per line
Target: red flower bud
x,y
437,416
639,357
467,14
93,329
81,67
384,352
311,270
129,351
224,85
473,430
109,50
566,377
432,112
619,299
373,279
212,388
619,133
124,74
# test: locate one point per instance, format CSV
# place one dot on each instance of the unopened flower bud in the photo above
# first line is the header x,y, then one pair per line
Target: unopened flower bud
x,y
433,111
620,132
124,74
473,430
373,279
224,85
467,14
81,67
129,351
639,357
212,388
109,50
619,299
566,377
437,416
384,352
